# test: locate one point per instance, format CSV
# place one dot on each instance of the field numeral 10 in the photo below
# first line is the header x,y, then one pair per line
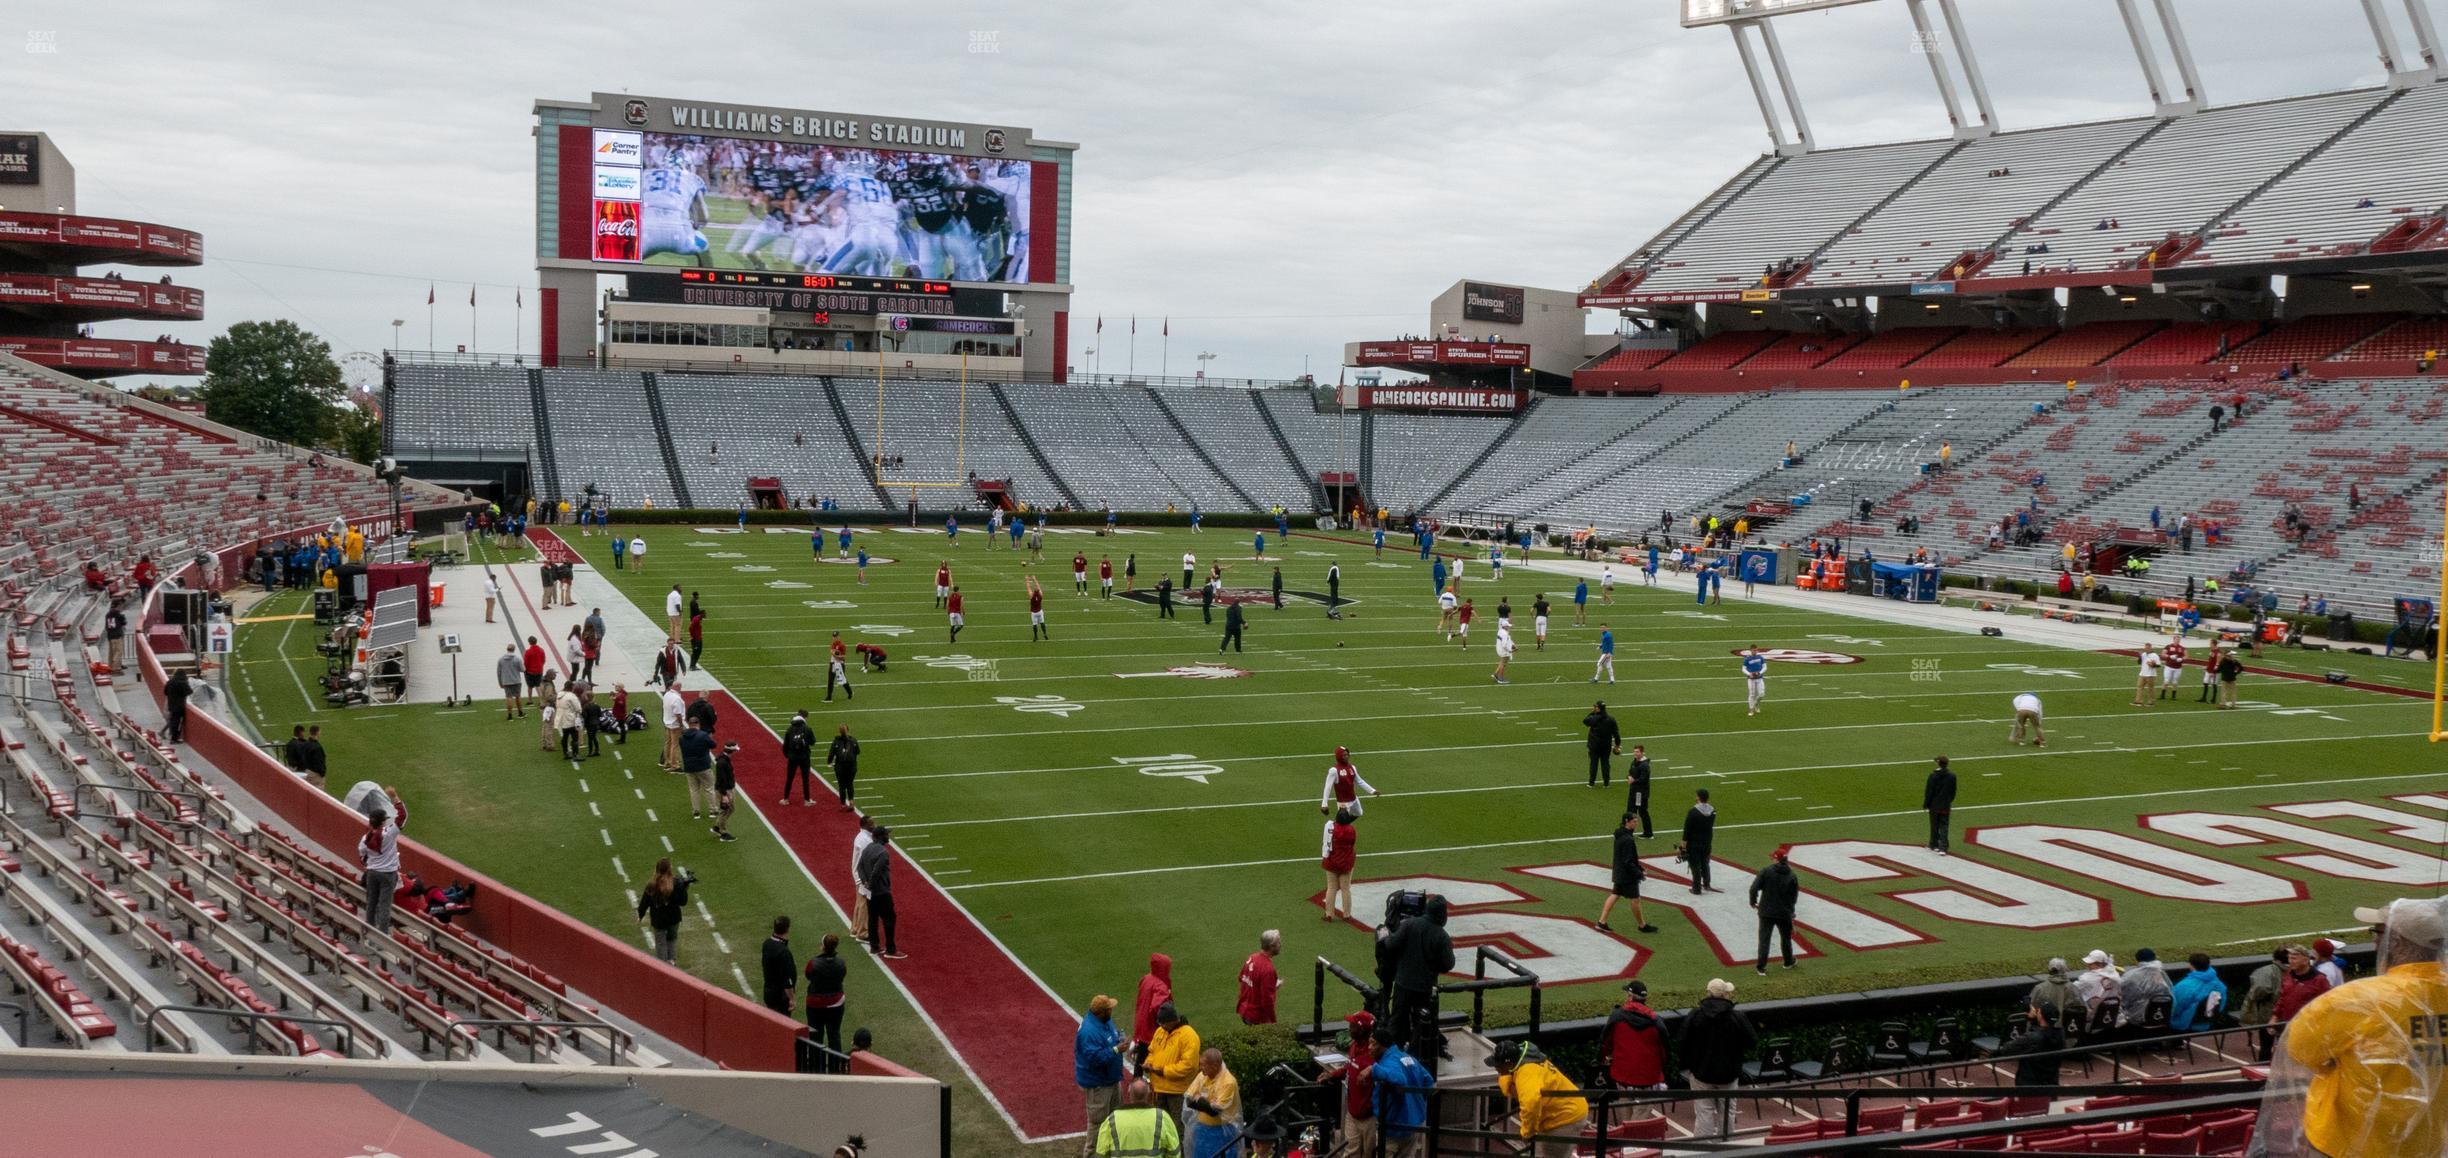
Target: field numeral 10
x,y
1180,765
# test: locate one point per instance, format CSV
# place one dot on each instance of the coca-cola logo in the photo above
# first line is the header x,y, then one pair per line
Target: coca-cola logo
x,y
616,230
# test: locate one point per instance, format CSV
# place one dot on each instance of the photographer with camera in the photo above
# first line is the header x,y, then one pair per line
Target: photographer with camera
x,y
1421,952
661,904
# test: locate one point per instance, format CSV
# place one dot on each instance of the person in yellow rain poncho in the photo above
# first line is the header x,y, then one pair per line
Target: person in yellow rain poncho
x,y
1548,1102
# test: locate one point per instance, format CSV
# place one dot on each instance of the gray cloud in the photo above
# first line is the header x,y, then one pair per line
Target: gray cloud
x,y
1275,177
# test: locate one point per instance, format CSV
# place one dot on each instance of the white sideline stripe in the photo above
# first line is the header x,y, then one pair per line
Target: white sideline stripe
x,y
1720,732
931,825
1585,837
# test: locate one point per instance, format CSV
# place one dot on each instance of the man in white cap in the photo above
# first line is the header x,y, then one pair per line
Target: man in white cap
x,y
2027,712
2098,979
2373,1049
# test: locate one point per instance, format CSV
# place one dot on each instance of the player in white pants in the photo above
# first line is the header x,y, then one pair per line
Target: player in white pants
x,y
2027,711
1755,679
1504,652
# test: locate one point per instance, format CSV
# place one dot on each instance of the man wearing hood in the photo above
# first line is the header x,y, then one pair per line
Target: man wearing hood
x,y
2373,1047
1716,1039
2056,991
1774,892
798,759
1547,1101
1155,988
1635,1042
1699,835
1344,785
2147,979
1423,952
1096,1065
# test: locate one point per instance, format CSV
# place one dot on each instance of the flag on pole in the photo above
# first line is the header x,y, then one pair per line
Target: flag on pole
x,y
1100,323
1134,323
1168,325
429,292
471,295
518,297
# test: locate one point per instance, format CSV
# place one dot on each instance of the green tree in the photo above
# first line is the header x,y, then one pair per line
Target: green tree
x,y
355,433
275,380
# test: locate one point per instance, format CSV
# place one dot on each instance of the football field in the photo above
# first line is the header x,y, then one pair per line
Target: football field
x,y
1122,788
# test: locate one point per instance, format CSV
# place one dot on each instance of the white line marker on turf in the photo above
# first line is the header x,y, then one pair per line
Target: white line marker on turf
x,y
742,978
704,913
723,946
623,870
632,897
594,811
582,787
607,835
666,843
641,793
650,815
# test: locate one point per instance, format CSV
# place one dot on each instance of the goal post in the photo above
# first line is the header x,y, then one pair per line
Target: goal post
x,y
2439,627
879,453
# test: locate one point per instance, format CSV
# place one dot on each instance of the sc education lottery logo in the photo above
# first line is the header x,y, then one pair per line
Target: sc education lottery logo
x,y
1801,655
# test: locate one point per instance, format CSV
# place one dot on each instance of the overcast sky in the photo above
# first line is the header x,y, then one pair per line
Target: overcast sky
x,y
1276,177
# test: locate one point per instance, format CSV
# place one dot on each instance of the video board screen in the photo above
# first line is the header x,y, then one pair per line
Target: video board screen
x,y
690,200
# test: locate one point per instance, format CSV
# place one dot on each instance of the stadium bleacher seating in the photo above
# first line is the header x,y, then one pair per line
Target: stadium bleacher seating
x,y
1790,211
603,436
774,427
2196,166
2386,169
1975,196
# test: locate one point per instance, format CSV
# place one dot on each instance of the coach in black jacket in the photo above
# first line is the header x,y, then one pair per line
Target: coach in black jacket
x,y
1423,953
1774,892
781,973
843,756
1938,799
1605,739
1699,836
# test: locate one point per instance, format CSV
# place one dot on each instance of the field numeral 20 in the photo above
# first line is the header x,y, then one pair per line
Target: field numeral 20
x,y
1179,765
1052,704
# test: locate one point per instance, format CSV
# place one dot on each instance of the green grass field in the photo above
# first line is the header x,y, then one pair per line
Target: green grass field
x,y
1088,812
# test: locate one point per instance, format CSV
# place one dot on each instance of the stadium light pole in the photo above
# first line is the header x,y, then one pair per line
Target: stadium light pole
x,y
1204,357
396,323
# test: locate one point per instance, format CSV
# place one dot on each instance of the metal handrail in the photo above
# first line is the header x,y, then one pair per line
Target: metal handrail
x,y
1480,983
1605,1106
144,1018
1370,995
622,1042
196,798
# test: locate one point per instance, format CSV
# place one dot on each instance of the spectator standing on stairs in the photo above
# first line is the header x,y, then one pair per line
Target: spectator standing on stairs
x,y
174,706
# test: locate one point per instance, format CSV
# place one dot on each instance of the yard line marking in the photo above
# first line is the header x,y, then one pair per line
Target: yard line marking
x,y
607,836
951,872
742,978
582,785
623,870
633,897
920,847
597,813
641,793
705,913
650,816
1770,732
721,945
1584,837
1817,807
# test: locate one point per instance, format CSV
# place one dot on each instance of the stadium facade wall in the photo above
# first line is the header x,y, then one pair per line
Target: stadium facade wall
x,y
704,1019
